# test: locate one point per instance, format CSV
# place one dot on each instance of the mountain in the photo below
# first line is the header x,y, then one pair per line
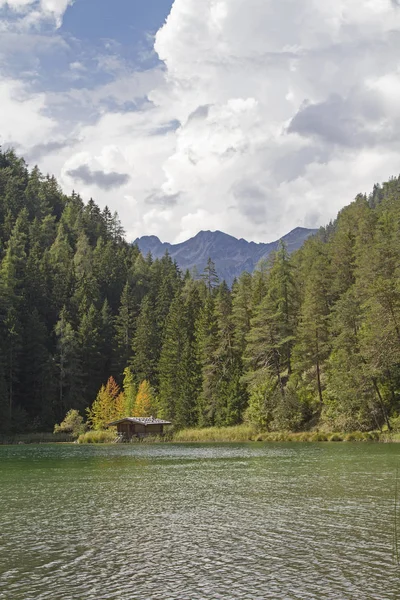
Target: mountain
x,y
230,255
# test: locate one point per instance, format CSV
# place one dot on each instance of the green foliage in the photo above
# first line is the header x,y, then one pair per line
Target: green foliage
x,y
146,344
238,433
307,341
108,406
130,392
73,424
146,403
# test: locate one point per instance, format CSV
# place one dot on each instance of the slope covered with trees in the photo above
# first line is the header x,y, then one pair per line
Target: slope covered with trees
x,y
309,339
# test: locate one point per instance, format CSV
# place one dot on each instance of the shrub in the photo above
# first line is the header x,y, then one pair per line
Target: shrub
x,y
336,437
72,424
98,437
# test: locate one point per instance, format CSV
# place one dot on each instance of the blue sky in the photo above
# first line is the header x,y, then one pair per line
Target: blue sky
x,y
252,117
93,28
126,21
132,24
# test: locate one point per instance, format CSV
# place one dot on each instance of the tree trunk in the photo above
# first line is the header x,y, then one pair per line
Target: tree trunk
x,y
321,399
381,403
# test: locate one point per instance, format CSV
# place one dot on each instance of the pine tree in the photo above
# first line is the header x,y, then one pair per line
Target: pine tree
x,y
37,372
130,393
210,276
12,309
125,327
90,357
205,334
106,335
86,291
61,274
68,367
272,334
312,342
145,344
227,398
353,399
242,311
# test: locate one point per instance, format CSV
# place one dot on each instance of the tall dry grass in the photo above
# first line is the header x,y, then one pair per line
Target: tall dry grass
x,y
35,438
247,433
97,437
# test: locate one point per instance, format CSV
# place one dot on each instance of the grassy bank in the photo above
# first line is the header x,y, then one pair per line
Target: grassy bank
x,y
238,433
246,433
35,438
98,437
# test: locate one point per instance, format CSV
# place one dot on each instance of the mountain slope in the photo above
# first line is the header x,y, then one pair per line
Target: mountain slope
x,y
230,255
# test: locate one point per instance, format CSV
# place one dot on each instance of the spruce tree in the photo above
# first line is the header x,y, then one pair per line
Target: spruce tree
x,y
68,367
210,276
145,345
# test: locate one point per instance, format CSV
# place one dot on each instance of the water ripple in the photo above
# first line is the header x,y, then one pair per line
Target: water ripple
x,y
189,522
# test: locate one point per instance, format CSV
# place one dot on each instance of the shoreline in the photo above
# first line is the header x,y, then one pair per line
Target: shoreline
x,y
235,434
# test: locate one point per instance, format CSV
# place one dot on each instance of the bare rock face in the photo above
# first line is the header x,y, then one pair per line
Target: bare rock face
x,y
230,255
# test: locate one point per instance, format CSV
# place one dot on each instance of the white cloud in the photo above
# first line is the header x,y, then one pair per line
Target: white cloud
x,y
269,114
274,57
31,13
21,118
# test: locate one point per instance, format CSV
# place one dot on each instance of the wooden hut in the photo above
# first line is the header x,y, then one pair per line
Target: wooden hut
x,y
138,427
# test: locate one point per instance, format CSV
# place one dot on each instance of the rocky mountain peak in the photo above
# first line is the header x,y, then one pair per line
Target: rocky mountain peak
x,y
231,256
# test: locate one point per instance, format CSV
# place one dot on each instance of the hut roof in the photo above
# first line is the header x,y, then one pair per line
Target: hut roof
x,y
140,421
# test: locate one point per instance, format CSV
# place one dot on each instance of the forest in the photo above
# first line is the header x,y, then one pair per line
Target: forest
x,y
308,340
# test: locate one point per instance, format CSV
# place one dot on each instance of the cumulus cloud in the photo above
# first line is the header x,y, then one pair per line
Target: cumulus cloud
x,y
106,181
353,121
284,107
43,149
266,115
157,198
30,13
21,115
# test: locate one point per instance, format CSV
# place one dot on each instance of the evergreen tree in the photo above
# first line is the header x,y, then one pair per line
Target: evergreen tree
x,y
90,357
205,335
313,342
37,373
145,344
210,276
270,341
242,311
86,291
170,373
307,340
130,393
125,327
68,367
61,270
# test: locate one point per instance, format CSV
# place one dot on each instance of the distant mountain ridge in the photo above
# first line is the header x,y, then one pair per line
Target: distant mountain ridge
x,y
231,256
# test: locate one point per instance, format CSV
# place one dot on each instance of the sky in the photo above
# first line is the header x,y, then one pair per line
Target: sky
x,y
248,116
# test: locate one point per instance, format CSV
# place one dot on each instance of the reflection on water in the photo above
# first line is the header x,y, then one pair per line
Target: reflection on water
x,y
188,522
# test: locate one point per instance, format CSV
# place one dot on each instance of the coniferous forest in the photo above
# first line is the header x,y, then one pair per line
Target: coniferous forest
x,y
311,339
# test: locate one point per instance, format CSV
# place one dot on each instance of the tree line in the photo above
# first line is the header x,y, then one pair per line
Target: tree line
x,y
307,340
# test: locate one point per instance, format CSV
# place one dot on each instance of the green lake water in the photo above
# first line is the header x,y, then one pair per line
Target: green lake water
x,y
207,521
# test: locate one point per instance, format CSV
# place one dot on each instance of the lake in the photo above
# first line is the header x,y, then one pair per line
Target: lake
x,y
207,521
